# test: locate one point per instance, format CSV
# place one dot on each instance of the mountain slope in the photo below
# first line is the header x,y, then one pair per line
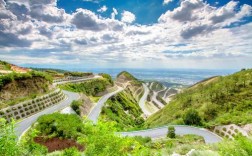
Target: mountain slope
x,y
16,87
222,101
123,108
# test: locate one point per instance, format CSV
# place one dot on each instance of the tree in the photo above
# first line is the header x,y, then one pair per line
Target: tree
x,y
8,138
171,132
192,117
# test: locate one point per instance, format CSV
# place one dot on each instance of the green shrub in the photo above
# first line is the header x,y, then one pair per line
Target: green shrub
x,y
192,117
60,125
241,146
90,87
171,132
75,105
71,152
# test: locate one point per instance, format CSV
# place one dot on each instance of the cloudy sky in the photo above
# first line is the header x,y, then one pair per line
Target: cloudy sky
x,y
127,33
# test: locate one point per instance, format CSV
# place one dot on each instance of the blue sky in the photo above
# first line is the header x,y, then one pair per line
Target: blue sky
x,y
127,34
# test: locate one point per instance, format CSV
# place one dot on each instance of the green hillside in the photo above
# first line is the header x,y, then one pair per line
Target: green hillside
x,y
18,87
123,107
224,100
124,110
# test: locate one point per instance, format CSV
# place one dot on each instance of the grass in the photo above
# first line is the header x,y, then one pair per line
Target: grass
x,y
124,110
94,99
219,102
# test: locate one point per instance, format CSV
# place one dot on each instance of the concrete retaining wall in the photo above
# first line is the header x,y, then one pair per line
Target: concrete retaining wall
x,y
27,108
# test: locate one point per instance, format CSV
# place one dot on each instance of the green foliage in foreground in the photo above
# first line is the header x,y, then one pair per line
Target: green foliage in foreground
x,y
22,76
241,146
124,110
224,100
9,145
59,125
102,140
90,87
97,139
7,139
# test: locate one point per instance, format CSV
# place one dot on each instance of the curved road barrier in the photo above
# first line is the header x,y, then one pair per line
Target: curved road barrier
x,y
23,125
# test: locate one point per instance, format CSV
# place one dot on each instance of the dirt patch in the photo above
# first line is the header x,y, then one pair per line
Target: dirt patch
x,y
57,144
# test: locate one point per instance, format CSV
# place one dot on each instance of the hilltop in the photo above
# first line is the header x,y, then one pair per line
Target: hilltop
x,y
6,68
217,101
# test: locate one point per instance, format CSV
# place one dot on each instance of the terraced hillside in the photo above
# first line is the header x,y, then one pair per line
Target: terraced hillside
x,y
133,84
217,101
158,96
123,108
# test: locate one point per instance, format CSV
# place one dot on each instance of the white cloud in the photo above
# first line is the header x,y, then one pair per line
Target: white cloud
x,y
167,2
114,13
103,9
193,32
128,17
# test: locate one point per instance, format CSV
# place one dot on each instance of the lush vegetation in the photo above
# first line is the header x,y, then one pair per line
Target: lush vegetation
x,y
9,145
90,87
124,110
22,76
101,139
98,139
59,125
78,74
224,100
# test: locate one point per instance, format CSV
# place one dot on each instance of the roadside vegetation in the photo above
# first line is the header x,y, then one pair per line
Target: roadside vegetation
x,y
89,87
223,101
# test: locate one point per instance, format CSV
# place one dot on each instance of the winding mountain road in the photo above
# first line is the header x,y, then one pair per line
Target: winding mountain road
x,y
208,136
95,112
143,99
161,132
23,125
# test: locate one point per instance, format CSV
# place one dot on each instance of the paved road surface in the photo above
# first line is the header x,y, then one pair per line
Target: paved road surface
x,y
95,112
27,122
143,99
160,132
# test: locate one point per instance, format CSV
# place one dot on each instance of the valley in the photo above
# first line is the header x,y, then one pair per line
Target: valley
x,y
126,112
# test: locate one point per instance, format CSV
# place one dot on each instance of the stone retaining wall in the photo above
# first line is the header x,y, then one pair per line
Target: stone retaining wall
x,y
229,131
27,108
